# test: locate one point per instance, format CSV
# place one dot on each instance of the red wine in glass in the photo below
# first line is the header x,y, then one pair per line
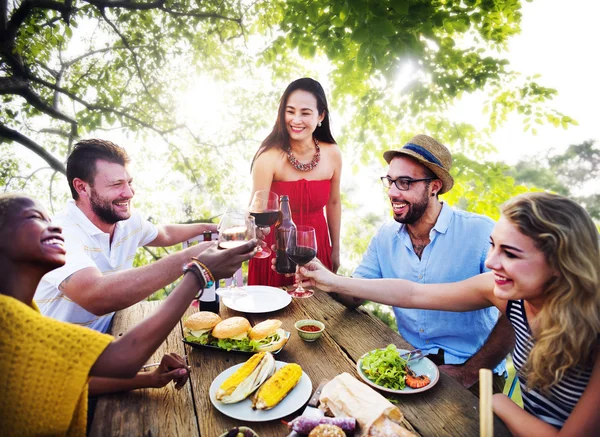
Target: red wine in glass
x,y
302,248
264,207
301,254
266,219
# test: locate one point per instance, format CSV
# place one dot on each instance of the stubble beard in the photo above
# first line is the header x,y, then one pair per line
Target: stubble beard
x,y
104,209
415,211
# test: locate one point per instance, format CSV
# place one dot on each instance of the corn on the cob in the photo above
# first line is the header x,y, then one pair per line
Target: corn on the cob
x,y
277,387
239,375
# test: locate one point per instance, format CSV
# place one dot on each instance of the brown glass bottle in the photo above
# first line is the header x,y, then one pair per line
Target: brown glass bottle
x,y
210,299
283,264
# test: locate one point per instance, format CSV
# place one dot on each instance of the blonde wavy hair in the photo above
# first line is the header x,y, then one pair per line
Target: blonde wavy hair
x,y
569,322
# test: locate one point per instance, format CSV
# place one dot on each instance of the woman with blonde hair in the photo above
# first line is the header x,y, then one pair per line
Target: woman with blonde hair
x,y
545,277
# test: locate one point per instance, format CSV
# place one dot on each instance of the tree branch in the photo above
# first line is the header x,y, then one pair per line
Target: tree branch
x,y
3,15
126,4
13,135
21,14
134,56
199,15
69,63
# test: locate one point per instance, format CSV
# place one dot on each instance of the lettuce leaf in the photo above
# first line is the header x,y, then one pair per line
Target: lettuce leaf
x,y
385,367
203,339
229,344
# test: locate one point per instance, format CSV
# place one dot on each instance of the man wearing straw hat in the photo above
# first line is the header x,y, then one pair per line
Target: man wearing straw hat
x,y
430,242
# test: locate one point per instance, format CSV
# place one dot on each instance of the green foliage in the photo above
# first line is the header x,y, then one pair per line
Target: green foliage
x,y
573,173
382,312
391,69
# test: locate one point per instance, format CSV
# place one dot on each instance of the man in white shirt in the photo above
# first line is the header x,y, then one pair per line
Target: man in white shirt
x,y
102,235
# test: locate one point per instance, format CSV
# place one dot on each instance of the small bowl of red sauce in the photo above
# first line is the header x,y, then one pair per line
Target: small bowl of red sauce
x,y
309,330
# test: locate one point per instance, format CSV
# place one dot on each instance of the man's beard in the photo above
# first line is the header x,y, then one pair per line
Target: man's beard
x,y
415,211
104,209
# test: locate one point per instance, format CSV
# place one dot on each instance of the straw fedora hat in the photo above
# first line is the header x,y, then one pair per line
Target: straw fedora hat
x,y
432,154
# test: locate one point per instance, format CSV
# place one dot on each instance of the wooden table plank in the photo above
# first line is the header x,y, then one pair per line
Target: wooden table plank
x,y
149,412
447,409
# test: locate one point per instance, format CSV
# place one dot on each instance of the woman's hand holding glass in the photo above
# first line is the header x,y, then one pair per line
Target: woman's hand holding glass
x,y
264,207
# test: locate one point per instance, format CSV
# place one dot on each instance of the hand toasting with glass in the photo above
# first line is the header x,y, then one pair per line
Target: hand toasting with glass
x,y
302,249
264,207
236,228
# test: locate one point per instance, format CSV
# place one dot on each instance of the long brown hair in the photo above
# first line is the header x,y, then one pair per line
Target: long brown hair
x,y
279,136
569,321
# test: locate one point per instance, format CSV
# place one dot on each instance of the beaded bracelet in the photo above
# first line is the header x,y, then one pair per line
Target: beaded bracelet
x,y
208,276
198,273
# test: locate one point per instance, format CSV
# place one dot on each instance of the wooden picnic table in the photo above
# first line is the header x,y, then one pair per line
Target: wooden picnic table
x,y
447,409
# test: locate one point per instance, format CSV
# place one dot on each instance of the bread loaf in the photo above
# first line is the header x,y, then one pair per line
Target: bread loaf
x,y
345,396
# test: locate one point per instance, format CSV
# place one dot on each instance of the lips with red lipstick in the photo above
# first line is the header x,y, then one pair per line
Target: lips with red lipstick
x,y
297,129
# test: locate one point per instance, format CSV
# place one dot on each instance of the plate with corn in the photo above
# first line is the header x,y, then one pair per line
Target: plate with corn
x,y
260,389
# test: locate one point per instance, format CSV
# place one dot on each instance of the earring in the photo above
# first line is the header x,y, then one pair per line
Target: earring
x,y
319,124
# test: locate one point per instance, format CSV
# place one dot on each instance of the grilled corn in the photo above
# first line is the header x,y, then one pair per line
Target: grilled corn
x,y
247,378
277,387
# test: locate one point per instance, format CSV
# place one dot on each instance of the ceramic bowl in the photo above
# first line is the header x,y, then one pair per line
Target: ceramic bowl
x,y
308,335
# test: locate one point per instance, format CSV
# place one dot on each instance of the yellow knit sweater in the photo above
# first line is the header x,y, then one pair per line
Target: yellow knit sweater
x,y
44,367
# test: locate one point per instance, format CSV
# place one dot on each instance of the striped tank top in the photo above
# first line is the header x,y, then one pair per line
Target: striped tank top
x,y
556,407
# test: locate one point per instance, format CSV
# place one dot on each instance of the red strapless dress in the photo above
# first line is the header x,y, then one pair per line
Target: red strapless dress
x,y
307,202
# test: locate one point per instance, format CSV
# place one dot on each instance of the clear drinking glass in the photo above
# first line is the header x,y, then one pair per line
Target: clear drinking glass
x,y
235,228
264,207
302,248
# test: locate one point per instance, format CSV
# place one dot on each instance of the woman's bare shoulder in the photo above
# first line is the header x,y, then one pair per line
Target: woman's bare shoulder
x,y
270,156
331,151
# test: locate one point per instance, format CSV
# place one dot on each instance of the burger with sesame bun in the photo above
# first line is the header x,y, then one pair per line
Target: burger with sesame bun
x,y
267,336
197,327
232,333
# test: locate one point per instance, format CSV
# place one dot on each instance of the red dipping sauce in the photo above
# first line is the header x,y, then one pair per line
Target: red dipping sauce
x,y
310,328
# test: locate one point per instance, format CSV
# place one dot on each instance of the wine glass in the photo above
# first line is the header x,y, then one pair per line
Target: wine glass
x,y
264,207
235,228
301,248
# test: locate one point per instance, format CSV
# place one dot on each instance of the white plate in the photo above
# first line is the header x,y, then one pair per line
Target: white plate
x,y
423,366
243,410
259,299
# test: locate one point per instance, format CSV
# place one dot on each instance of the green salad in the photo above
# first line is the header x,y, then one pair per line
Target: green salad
x,y
385,367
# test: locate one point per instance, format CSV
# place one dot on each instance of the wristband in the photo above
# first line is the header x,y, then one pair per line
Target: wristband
x,y
208,276
198,273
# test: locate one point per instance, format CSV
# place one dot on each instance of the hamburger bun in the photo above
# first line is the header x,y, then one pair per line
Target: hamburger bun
x,y
201,320
231,327
270,335
264,329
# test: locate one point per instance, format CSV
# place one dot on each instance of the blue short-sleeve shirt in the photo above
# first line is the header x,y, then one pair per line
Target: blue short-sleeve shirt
x,y
458,246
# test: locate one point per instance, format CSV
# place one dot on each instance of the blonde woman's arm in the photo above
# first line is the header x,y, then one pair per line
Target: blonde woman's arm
x,y
471,294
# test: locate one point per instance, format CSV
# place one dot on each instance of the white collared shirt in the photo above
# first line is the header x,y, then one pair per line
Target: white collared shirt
x,y
88,246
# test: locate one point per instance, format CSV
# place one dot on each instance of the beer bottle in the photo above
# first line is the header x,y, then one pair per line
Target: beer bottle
x,y
210,299
283,230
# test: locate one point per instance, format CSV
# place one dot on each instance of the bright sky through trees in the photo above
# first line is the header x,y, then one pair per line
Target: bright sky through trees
x,y
559,40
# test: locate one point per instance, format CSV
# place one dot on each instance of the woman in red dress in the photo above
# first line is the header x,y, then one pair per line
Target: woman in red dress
x,y
300,158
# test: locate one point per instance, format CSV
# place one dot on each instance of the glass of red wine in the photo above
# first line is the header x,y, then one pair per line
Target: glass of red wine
x,y
264,207
235,229
302,248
